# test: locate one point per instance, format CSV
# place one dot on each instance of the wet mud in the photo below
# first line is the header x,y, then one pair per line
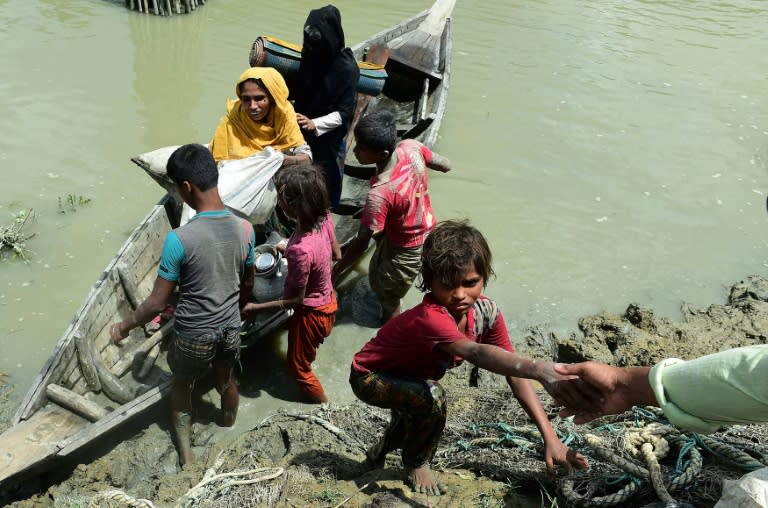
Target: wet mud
x,y
317,458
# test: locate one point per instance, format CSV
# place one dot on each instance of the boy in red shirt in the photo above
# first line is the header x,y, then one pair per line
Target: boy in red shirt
x,y
400,367
397,210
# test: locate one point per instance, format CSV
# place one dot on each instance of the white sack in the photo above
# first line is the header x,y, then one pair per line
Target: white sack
x,y
245,185
749,491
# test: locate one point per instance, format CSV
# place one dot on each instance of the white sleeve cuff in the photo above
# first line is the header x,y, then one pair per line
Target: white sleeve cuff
x,y
327,123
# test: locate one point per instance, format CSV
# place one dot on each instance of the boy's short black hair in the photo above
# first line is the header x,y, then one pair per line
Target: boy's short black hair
x,y
193,163
449,251
377,131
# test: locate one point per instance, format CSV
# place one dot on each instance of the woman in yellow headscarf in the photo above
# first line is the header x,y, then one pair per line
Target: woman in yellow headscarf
x,y
261,116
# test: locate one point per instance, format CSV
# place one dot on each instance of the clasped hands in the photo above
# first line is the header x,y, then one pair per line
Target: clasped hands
x,y
589,390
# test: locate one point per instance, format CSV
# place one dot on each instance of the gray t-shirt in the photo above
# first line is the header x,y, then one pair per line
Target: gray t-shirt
x,y
207,257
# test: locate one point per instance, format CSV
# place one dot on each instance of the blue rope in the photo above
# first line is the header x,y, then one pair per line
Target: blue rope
x,y
640,412
607,426
615,480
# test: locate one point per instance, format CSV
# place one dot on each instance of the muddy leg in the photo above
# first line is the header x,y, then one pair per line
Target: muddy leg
x,y
392,439
230,395
181,419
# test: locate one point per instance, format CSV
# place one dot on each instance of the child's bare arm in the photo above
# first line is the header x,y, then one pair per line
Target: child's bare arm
x,y
352,253
149,308
335,250
555,452
282,303
246,286
439,163
495,359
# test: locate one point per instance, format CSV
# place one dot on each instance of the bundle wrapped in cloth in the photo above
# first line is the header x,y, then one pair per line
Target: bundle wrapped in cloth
x,y
286,57
245,185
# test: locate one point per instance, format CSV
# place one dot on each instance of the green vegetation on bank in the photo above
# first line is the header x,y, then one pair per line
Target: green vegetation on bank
x,y
13,237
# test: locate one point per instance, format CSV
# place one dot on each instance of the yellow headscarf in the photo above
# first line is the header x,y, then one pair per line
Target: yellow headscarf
x,y
239,136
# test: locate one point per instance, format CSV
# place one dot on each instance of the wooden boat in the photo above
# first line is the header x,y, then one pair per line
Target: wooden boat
x,y
88,387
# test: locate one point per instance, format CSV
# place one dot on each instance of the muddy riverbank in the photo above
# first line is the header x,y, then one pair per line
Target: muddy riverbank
x,y
489,455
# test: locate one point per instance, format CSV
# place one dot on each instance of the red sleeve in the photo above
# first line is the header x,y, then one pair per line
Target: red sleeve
x,y
375,212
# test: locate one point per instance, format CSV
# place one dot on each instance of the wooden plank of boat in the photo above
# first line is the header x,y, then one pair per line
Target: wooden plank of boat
x,y
29,444
44,431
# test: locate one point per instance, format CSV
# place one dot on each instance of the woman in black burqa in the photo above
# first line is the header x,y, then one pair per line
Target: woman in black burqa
x,y
325,93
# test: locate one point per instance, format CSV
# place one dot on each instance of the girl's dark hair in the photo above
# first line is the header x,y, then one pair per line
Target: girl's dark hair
x,y
193,163
304,190
377,131
449,251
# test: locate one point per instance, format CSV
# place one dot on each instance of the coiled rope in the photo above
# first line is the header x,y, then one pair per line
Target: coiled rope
x,y
195,492
119,495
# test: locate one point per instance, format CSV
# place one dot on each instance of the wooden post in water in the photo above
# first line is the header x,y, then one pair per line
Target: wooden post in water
x,y
164,7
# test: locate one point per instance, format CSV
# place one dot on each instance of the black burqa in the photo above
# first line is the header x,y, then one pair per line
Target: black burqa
x,y
327,82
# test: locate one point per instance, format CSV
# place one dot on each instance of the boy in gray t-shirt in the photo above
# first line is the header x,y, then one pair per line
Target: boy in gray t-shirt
x,y
211,260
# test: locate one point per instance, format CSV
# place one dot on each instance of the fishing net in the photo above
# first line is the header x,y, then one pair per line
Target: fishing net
x,y
489,434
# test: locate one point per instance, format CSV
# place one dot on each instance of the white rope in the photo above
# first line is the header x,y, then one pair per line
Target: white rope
x,y
119,495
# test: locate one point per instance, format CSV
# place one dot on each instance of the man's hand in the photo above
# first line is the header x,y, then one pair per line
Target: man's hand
x,y
117,332
568,390
620,388
305,122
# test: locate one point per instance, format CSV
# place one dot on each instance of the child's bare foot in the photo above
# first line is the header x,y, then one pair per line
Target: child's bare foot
x,y
423,481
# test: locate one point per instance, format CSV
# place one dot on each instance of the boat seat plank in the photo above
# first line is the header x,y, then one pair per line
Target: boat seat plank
x,y
359,171
30,442
421,126
349,206
115,418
